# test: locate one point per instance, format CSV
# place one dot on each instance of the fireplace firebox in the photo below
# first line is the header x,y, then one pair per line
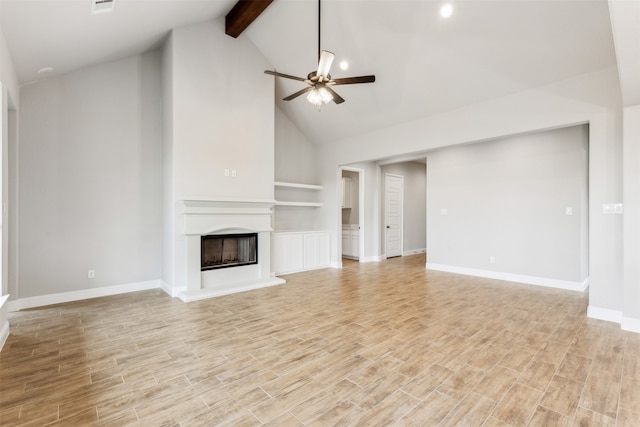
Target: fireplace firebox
x,y
228,250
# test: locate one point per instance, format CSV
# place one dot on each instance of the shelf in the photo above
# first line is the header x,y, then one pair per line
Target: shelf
x,y
300,204
284,186
301,186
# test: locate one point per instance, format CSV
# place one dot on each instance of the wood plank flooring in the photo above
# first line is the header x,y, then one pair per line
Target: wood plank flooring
x,y
372,344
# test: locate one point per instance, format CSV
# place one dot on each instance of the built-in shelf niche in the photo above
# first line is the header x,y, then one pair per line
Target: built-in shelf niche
x,y
290,195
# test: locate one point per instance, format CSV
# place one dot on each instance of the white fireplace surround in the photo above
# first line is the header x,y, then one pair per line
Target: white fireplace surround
x,y
198,218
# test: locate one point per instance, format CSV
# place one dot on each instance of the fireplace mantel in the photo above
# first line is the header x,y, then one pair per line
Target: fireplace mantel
x,y
204,205
200,217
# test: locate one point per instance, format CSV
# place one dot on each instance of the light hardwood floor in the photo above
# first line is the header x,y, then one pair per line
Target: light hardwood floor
x,y
372,344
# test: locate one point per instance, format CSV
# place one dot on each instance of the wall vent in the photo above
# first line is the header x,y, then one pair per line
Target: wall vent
x,y
102,6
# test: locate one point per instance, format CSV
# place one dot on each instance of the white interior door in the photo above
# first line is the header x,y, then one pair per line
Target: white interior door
x,y
393,191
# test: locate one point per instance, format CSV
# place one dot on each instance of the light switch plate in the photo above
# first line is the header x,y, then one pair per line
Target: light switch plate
x,y
612,208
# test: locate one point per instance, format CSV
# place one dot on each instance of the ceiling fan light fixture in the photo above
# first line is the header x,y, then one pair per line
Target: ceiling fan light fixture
x,y
319,96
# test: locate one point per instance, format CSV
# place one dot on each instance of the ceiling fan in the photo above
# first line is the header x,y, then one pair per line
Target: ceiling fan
x,y
319,82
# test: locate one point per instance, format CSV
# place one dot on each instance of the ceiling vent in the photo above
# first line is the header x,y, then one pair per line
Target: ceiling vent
x,y
102,6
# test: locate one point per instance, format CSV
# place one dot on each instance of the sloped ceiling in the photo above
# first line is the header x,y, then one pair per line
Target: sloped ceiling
x,y
63,34
625,16
423,63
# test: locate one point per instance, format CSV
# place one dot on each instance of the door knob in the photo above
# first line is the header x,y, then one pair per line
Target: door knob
x,y
388,226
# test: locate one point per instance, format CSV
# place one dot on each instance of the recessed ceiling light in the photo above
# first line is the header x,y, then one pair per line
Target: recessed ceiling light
x,y
45,70
344,65
446,10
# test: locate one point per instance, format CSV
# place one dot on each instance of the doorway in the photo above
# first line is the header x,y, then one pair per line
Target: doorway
x,y
352,212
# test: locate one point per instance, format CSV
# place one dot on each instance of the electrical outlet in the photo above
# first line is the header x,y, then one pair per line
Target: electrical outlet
x,y
91,274
234,173
492,260
568,211
226,172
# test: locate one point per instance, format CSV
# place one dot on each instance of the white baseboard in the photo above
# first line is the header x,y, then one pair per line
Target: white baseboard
x,y
414,252
519,278
630,324
604,314
43,300
336,264
170,290
374,258
4,322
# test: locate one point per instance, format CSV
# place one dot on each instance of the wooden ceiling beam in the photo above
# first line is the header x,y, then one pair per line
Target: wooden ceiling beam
x,y
244,12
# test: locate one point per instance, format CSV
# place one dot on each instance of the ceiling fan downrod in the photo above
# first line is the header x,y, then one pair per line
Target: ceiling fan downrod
x,y
319,24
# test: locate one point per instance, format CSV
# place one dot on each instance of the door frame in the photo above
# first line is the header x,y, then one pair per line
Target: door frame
x,y
384,214
361,207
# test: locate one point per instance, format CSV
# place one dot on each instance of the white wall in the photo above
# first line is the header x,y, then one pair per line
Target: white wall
x,y
592,98
90,178
12,211
507,199
625,23
222,117
168,187
8,75
632,218
8,90
10,95
295,155
414,210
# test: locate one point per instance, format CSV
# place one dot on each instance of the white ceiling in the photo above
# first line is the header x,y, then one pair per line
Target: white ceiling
x,y
423,63
64,35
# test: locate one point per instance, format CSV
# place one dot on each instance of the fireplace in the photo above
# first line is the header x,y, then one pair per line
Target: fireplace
x,y
228,250
237,233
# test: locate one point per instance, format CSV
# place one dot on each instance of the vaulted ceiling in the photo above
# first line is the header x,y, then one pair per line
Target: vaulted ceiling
x,y
423,63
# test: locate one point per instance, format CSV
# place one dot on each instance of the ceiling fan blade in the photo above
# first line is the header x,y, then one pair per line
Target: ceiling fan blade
x,y
353,80
298,93
324,64
336,98
286,76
